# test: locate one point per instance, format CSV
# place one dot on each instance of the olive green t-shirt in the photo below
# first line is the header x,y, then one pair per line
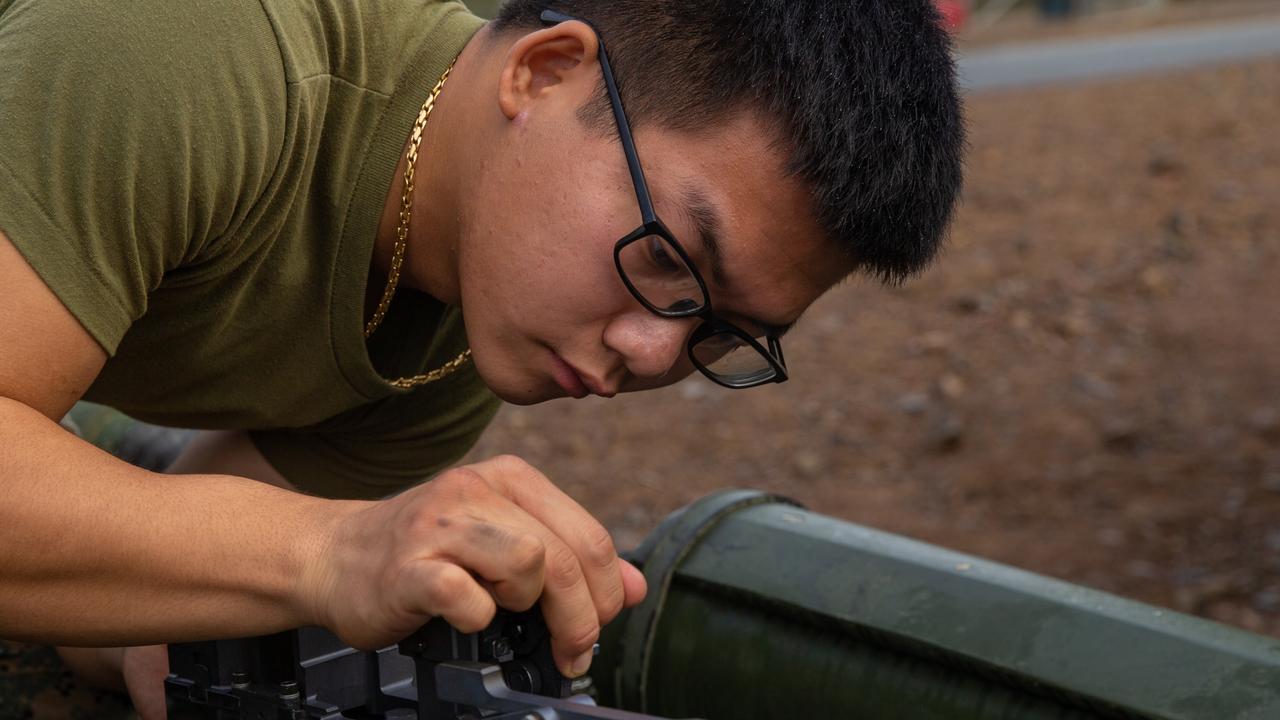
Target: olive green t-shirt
x,y
200,183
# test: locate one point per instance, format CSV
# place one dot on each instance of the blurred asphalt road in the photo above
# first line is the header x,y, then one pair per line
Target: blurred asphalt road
x,y
1043,63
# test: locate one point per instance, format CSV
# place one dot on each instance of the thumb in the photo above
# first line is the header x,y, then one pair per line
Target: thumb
x,y
634,586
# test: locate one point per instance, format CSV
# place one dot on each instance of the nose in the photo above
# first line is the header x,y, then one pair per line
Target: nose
x,y
649,345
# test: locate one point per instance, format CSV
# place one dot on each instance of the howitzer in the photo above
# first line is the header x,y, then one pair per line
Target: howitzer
x,y
758,609
504,672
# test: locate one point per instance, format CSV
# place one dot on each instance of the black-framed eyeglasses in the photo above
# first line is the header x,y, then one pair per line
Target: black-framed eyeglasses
x,y
660,274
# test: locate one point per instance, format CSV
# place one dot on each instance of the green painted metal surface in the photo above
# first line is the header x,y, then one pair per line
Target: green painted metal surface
x,y
754,602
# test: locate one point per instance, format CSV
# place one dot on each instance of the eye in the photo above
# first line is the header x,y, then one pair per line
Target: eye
x,y
662,256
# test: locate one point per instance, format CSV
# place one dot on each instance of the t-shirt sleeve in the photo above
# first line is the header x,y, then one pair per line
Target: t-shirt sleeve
x,y
133,136
380,449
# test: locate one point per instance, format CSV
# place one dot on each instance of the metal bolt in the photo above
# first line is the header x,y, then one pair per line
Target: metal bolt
x,y
289,690
499,647
239,680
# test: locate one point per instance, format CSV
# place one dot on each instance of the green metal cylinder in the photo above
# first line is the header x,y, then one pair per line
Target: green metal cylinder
x,y
758,608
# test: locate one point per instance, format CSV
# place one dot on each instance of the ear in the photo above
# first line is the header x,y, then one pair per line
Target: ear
x,y
559,61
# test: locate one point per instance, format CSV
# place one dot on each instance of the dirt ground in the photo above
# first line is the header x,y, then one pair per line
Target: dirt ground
x,y
1026,25
1086,385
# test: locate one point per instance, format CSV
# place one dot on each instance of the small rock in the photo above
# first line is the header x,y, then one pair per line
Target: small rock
x,y
1073,325
1121,434
951,386
694,389
933,341
1164,162
966,305
946,435
1155,280
913,403
1091,384
810,463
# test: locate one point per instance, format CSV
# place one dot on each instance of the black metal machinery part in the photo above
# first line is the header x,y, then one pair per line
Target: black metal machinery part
x,y
503,672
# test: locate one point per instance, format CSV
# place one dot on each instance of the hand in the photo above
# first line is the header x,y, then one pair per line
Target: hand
x,y
493,533
138,671
145,667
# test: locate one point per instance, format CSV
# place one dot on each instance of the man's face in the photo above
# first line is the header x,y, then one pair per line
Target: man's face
x,y
546,312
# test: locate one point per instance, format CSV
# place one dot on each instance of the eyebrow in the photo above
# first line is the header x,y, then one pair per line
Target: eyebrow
x,y
707,222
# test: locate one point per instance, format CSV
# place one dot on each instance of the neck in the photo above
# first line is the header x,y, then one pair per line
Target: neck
x,y
430,262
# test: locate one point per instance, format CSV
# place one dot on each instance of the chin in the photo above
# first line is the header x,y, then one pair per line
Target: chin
x,y
516,390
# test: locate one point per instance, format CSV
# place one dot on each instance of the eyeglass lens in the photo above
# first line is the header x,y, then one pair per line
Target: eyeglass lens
x,y
660,276
732,359
658,273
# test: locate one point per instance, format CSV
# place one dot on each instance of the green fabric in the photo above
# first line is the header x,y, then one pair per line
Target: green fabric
x,y
200,183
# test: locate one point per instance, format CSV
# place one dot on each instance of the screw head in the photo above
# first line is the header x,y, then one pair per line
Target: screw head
x,y
499,647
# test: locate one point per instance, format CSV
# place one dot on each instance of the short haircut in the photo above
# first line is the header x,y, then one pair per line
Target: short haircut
x,y
863,92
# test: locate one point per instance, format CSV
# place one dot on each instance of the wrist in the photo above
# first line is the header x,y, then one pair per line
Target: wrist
x,y
318,551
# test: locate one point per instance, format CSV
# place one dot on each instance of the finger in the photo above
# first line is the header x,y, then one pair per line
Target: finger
x,y
570,522
566,600
511,559
436,588
633,584
144,669
568,610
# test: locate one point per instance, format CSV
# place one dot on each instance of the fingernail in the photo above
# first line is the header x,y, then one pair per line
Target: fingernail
x,y
583,663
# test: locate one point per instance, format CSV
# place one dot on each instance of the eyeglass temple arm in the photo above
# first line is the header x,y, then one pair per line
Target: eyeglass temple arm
x,y
551,17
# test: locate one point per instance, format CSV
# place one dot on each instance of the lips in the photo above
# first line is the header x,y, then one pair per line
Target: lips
x,y
575,383
567,378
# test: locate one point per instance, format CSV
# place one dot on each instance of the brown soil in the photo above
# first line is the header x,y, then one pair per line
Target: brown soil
x,y
1026,25
1086,385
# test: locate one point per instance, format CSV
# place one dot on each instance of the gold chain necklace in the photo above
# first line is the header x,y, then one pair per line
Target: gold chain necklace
x,y
402,236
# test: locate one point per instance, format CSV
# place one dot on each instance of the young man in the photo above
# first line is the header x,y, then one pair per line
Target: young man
x,y
334,234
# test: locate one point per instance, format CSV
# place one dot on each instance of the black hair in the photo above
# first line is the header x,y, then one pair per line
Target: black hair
x,y
863,92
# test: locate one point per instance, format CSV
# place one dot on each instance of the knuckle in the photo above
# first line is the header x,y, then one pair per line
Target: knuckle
x,y
562,568
464,482
580,639
611,604
516,465
450,583
599,550
528,554
475,617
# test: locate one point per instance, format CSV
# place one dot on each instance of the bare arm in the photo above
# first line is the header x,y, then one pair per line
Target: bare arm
x,y
95,551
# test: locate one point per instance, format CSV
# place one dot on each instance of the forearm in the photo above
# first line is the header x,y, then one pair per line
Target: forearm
x,y
94,551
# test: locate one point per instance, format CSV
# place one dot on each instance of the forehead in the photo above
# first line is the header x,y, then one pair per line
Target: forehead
x,y
776,258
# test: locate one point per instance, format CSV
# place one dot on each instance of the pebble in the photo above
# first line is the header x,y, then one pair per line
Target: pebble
x,y
1121,434
1155,280
946,435
913,403
951,386
810,463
